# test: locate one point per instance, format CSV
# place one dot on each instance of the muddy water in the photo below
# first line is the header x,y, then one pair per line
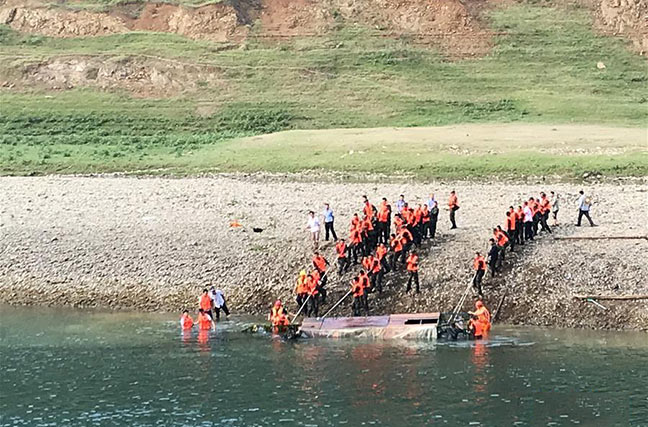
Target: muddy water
x,y
65,367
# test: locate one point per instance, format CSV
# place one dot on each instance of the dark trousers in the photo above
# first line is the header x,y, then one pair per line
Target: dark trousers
x,y
519,232
383,232
543,222
413,277
386,268
300,300
536,221
477,280
322,294
433,223
328,227
492,266
511,236
359,303
313,307
394,259
379,280
223,307
343,265
581,214
528,230
355,251
452,217
501,255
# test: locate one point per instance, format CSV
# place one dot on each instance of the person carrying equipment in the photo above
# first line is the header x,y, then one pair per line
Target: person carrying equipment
x,y
320,263
480,322
479,264
186,322
302,288
342,256
493,255
453,204
313,291
412,268
357,290
278,315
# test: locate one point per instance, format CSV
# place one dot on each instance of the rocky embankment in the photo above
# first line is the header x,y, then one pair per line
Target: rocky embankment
x,y
153,244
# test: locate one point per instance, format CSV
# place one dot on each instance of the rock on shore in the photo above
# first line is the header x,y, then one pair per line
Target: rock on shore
x,y
154,243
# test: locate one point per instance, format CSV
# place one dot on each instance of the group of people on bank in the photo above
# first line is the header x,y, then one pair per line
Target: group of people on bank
x,y
381,239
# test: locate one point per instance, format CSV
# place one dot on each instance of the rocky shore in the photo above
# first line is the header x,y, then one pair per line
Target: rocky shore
x,y
154,243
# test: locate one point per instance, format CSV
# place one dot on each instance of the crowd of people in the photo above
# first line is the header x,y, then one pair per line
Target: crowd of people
x,y
381,240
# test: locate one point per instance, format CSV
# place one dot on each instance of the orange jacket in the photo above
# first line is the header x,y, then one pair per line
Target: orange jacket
x,y
511,220
320,263
355,237
405,236
367,262
412,262
205,302
500,238
364,281
356,287
341,249
302,285
425,214
368,210
453,201
383,213
313,282
381,251
396,244
479,263
204,321
186,321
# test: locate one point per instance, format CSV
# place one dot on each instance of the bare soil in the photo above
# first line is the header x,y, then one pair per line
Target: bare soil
x,y
153,243
141,76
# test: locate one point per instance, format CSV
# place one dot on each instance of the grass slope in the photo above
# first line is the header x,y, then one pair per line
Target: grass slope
x,y
542,70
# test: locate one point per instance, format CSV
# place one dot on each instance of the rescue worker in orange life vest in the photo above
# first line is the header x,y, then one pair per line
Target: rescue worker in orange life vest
x,y
205,303
412,268
301,290
320,263
479,264
511,224
397,250
342,251
453,205
480,322
205,321
313,291
357,291
278,315
186,322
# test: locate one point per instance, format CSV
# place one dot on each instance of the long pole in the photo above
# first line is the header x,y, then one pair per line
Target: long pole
x,y
453,315
336,304
300,309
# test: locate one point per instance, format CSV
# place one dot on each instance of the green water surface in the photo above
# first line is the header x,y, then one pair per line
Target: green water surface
x,y
67,367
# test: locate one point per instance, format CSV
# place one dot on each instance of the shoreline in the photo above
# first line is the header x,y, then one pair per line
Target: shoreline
x,y
152,244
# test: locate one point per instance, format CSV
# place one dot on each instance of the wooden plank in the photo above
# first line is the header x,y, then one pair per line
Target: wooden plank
x,y
612,297
601,237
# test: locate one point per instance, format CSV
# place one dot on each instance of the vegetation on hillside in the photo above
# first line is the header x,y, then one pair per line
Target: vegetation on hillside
x,y
541,70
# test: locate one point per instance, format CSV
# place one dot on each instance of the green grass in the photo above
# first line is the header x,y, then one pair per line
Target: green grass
x,y
542,70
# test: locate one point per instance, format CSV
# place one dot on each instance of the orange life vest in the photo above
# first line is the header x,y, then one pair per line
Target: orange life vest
x,y
381,251
510,220
396,244
186,321
479,263
356,288
204,322
501,238
320,263
341,249
205,302
368,210
383,213
453,201
302,285
412,263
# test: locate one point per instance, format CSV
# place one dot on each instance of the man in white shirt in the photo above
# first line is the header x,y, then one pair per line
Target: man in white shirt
x,y
400,203
584,204
219,303
314,228
528,221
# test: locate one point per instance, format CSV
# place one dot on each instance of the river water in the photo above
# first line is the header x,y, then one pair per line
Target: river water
x,y
67,367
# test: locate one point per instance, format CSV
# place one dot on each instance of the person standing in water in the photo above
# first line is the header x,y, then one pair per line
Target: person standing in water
x,y
218,302
186,322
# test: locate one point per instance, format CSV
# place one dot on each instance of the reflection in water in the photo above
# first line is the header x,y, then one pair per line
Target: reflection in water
x,y
75,368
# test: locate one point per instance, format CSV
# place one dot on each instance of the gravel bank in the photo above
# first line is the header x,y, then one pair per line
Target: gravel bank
x,y
153,243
